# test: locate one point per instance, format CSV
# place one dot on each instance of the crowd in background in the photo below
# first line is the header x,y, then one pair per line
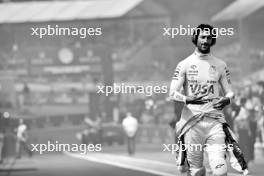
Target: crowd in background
x,y
246,117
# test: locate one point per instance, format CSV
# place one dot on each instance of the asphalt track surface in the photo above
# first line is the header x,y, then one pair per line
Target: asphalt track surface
x,y
112,162
62,165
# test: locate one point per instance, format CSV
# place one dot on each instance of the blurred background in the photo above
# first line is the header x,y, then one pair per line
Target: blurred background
x,y
52,82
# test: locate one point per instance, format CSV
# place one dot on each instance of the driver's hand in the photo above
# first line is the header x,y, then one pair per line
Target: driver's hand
x,y
196,100
220,104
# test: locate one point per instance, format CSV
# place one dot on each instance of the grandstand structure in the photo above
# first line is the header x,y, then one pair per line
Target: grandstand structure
x,y
248,52
59,71
50,79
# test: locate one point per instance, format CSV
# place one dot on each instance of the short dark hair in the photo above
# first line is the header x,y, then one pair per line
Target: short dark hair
x,y
201,27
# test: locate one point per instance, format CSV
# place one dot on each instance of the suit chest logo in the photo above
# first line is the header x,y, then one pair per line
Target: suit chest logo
x,y
212,71
193,71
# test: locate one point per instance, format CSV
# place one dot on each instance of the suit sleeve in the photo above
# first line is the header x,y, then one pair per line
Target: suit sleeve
x,y
177,82
225,83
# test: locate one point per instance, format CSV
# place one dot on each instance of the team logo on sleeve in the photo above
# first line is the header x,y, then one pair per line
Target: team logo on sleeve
x,y
227,72
177,73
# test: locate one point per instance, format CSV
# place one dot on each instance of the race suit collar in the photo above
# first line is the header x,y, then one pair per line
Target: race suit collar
x,y
201,55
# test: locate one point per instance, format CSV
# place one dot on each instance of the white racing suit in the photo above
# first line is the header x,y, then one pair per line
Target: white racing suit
x,y
202,75
204,132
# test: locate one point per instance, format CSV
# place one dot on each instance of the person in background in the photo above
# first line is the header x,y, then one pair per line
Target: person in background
x,y
252,105
231,113
1,146
98,126
260,116
130,126
93,132
260,128
22,138
242,128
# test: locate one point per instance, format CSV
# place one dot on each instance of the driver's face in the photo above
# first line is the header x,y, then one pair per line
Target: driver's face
x,y
204,41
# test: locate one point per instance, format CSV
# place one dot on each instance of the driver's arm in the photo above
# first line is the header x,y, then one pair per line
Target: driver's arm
x,y
225,83
177,82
